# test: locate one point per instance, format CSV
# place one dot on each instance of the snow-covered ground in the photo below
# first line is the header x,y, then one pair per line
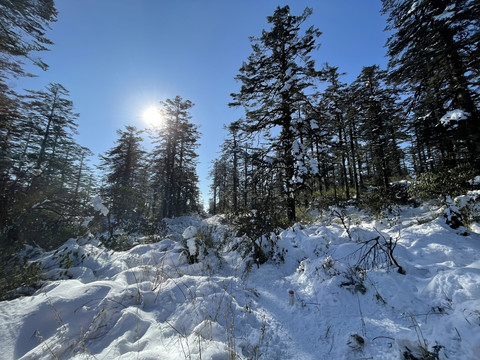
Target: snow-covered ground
x,y
151,303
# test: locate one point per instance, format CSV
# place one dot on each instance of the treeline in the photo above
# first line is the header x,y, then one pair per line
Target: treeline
x,y
141,188
46,182
308,139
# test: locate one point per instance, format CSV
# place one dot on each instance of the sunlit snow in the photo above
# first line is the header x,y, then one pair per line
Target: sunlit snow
x,y
453,117
151,303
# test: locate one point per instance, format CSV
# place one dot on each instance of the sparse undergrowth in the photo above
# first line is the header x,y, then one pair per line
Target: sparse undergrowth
x,y
198,293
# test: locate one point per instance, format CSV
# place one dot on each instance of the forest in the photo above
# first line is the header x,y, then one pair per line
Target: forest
x,y
307,140
343,220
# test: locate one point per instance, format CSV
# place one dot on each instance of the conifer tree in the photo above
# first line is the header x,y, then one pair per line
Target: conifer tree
x,y
434,53
378,121
274,81
221,174
333,107
175,182
23,24
52,113
125,180
41,184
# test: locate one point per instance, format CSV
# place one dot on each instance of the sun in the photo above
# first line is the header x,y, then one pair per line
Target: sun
x,y
153,117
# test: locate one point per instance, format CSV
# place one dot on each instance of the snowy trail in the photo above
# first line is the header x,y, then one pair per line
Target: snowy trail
x,y
307,330
294,337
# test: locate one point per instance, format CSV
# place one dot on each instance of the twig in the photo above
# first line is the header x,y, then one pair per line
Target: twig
x,y
333,341
364,329
40,337
383,337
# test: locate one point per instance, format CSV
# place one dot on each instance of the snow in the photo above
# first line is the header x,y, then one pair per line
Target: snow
x,y
286,87
447,14
189,232
475,181
296,148
98,205
150,302
444,16
413,8
453,117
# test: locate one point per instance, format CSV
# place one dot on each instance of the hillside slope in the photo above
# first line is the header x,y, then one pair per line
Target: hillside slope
x,y
151,302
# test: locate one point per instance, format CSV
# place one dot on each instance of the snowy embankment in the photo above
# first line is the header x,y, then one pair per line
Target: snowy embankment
x,y
151,303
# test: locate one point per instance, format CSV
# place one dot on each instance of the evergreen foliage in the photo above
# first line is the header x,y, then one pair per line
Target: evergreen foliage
x,y
43,171
312,147
377,118
275,80
299,146
22,31
434,185
125,182
434,55
174,179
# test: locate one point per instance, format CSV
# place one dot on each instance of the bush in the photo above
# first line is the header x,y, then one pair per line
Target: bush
x,y
375,200
256,227
205,236
469,206
18,277
305,215
435,185
119,241
399,191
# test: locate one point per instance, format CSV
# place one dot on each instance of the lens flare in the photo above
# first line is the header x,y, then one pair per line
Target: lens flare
x,y
153,117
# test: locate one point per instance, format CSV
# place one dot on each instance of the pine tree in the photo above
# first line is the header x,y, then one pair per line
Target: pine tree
x,y
221,174
378,115
175,182
434,53
333,107
52,113
225,174
274,83
23,24
40,162
125,180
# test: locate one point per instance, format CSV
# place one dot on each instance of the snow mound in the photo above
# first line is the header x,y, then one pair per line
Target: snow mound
x,y
150,302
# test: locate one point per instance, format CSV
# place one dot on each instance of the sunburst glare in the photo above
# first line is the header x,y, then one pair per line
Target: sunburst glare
x,y
153,117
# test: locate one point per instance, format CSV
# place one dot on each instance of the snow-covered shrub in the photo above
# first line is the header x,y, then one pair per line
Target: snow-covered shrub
x,y
118,241
194,245
377,253
205,235
353,281
469,206
452,215
305,215
328,266
259,229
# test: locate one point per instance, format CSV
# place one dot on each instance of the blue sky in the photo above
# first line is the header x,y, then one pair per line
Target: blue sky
x,y
118,57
